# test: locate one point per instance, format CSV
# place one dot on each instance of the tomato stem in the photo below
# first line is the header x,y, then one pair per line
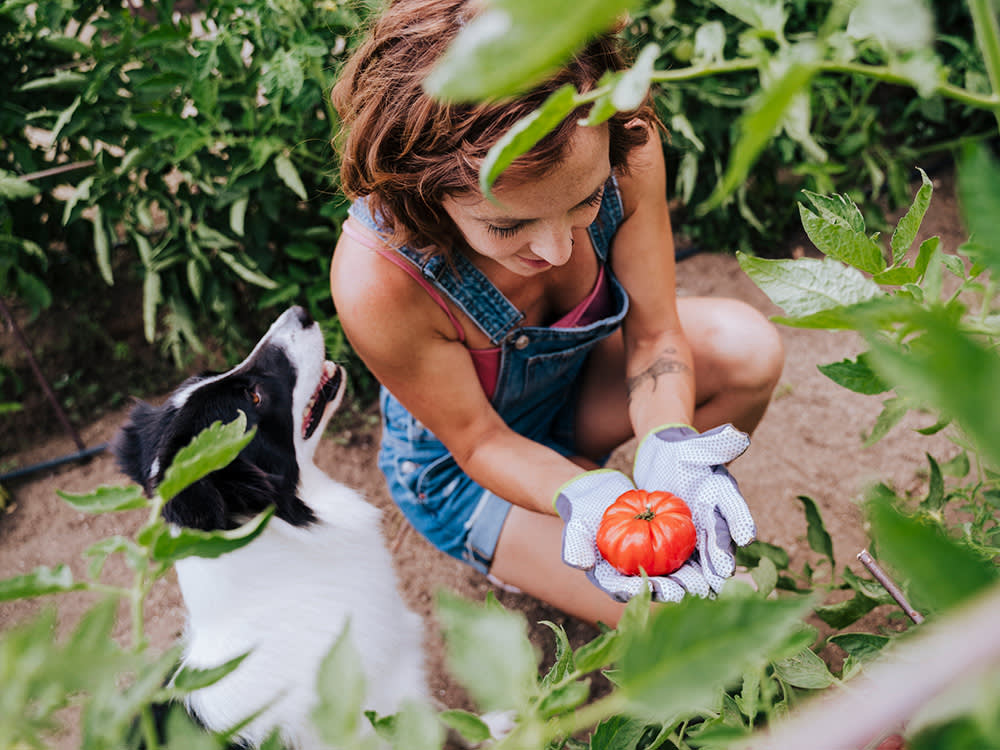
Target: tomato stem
x,y
646,515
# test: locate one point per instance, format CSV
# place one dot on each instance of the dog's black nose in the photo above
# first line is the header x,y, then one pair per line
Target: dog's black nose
x,y
305,319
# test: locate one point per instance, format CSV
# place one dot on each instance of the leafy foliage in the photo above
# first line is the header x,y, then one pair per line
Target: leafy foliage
x,y
192,150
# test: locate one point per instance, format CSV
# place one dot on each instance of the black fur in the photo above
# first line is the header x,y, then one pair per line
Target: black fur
x,y
265,473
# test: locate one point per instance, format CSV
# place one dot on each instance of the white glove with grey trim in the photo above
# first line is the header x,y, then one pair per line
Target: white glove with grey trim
x,y
691,465
581,503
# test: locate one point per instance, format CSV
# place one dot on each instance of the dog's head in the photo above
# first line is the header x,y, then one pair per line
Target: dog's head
x,y
287,390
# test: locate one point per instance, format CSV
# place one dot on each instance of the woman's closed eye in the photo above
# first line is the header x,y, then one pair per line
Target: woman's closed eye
x,y
504,232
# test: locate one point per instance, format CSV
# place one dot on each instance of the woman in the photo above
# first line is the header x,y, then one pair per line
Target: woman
x,y
519,341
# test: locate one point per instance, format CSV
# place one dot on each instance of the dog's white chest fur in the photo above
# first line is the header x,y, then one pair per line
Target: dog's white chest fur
x,y
285,598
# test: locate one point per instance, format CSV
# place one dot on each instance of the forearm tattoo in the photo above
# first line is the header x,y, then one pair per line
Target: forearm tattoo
x,y
666,364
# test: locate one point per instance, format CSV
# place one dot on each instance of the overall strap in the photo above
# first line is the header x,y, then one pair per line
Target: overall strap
x,y
609,217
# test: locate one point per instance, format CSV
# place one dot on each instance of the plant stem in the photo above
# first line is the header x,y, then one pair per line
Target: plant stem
x,y
988,37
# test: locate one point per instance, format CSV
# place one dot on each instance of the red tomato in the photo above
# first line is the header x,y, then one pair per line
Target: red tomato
x,y
648,530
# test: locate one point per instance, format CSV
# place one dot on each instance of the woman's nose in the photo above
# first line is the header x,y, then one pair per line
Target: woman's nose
x,y
554,246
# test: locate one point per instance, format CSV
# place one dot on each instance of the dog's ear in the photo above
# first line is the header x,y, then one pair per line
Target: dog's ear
x,y
136,445
199,506
232,495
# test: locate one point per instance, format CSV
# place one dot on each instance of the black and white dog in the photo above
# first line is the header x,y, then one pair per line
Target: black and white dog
x,y
321,561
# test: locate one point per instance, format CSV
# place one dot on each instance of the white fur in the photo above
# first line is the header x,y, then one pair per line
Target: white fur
x,y
287,595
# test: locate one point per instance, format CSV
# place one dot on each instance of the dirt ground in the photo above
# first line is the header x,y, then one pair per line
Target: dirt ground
x,y
809,443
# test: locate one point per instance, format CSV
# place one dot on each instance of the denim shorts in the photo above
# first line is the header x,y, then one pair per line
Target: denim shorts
x,y
447,507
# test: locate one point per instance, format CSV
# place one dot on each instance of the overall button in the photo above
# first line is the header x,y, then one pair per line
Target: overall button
x,y
522,341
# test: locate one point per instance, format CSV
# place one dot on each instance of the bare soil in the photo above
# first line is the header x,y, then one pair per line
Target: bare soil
x,y
809,443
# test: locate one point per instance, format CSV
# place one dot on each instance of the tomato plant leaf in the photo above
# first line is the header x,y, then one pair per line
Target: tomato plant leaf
x,y
470,726
861,648
816,534
617,733
941,571
524,134
503,676
689,650
190,678
855,375
170,544
804,670
598,653
927,367
978,190
416,727
39,582
564,698
563,664
107,499
340,685
13,187
808,286
846,612
215,447
845,243
893,410
908,226
513,44
935,490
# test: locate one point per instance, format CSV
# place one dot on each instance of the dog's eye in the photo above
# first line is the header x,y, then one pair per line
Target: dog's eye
x,y
254,395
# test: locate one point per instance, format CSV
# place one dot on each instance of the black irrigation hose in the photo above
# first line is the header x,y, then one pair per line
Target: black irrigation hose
x,y
34,469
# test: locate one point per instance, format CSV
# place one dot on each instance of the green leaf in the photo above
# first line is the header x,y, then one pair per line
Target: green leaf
x,y
927,368
238,215
513,44
835,240
107,499
759,124
836,209
861,649
935,491
597,653
617,733
763,15
502,676
908,226
170,544
765,576
978,190
846,612
341,687
808,286
564,698
941,572
65,80
210,450
470,726
13,187
691,649
416,728
855,375
563,664
893,410
632,86
151,296
524,134
102,247
40,582
190,678
816,533
804,670
241,268
290,175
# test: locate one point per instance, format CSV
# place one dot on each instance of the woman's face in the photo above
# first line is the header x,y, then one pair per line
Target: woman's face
x,y
530,227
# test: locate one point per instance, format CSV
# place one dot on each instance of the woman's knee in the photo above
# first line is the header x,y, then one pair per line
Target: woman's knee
x,y
738,345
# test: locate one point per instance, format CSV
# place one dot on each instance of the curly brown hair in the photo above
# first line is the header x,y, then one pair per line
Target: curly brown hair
x,y
407,151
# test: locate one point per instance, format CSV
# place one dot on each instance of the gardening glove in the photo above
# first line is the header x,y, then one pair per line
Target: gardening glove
x,y
581,503
691,465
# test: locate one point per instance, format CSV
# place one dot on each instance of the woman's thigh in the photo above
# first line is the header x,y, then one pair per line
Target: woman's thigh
x,y
529,556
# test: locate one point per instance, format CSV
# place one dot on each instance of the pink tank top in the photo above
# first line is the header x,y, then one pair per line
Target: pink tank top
x,y
593,307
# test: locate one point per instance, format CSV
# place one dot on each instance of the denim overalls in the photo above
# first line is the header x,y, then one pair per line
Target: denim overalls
x,y
535,395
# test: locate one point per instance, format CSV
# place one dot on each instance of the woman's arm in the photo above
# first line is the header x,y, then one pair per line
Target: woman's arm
x,y
411,347
659,366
